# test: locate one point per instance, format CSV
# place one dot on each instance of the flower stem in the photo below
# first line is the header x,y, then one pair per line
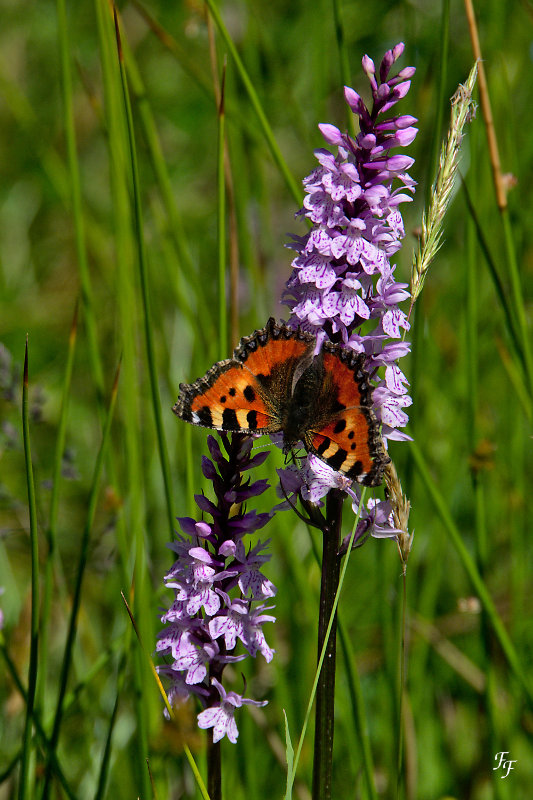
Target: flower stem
x,y
325,694
214,770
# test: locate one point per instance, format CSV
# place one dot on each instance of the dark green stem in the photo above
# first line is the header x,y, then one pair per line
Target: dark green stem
x,y
325,694
214,769
24,780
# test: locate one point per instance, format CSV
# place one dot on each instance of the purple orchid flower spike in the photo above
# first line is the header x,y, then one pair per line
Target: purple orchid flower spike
x,y
342,286
219,590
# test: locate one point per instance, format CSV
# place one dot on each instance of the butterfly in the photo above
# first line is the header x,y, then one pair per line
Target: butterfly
x,y
275,383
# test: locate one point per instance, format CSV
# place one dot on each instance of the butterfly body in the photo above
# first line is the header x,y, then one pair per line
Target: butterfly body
x,y
274,383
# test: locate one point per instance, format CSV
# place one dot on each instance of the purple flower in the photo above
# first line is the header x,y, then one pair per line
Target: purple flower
x,y
204,624
220,716
342,286
375,520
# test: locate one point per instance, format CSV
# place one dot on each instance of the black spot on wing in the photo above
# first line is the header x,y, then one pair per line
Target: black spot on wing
x,y
249,394
229,420
205,417
356,470
337,460
324,446
339,426
232,392
251,418
223,398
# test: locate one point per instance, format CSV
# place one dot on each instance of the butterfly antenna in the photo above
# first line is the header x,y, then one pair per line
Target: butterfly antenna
x,y
262,446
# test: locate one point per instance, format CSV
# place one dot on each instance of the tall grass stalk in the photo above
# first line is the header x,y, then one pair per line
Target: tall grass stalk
x,y
256,105
358,710
131,522
52,564
501,197
473,573
41,734
188,291
221,226
76,598
141,256
77,205
24,778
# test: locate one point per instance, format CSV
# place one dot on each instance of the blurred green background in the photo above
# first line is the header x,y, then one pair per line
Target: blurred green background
x,y
471,415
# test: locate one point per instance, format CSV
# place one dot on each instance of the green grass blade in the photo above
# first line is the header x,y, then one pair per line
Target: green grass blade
x,y
62,430
51,533
256,105
146,658
496,280
289,752
141,254
24,779
77,206
12,670
189,291
106,757
518,297
472,572
358,710
344,61
221,187
82,563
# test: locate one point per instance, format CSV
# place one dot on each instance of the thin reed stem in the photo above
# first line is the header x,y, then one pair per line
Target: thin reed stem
x,y
256,105
141,255
402,688
358,710
344,62
76,599
43,739
24,778
501,195
52,561
77,205
221,226
473,573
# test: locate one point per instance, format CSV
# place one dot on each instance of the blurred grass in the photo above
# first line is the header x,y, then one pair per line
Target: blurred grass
x,y
468,419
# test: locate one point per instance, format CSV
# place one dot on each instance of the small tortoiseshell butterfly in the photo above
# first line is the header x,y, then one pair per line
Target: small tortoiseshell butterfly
x,y
275,384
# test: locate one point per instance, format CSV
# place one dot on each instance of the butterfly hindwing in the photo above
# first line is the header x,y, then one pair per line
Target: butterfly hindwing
x,y
347,436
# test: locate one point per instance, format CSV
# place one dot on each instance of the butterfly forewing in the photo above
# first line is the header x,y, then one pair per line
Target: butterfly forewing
x,y
245,394
227,398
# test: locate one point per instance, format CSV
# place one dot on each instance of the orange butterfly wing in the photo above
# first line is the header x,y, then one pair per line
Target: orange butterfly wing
x,y
348,439
246,393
